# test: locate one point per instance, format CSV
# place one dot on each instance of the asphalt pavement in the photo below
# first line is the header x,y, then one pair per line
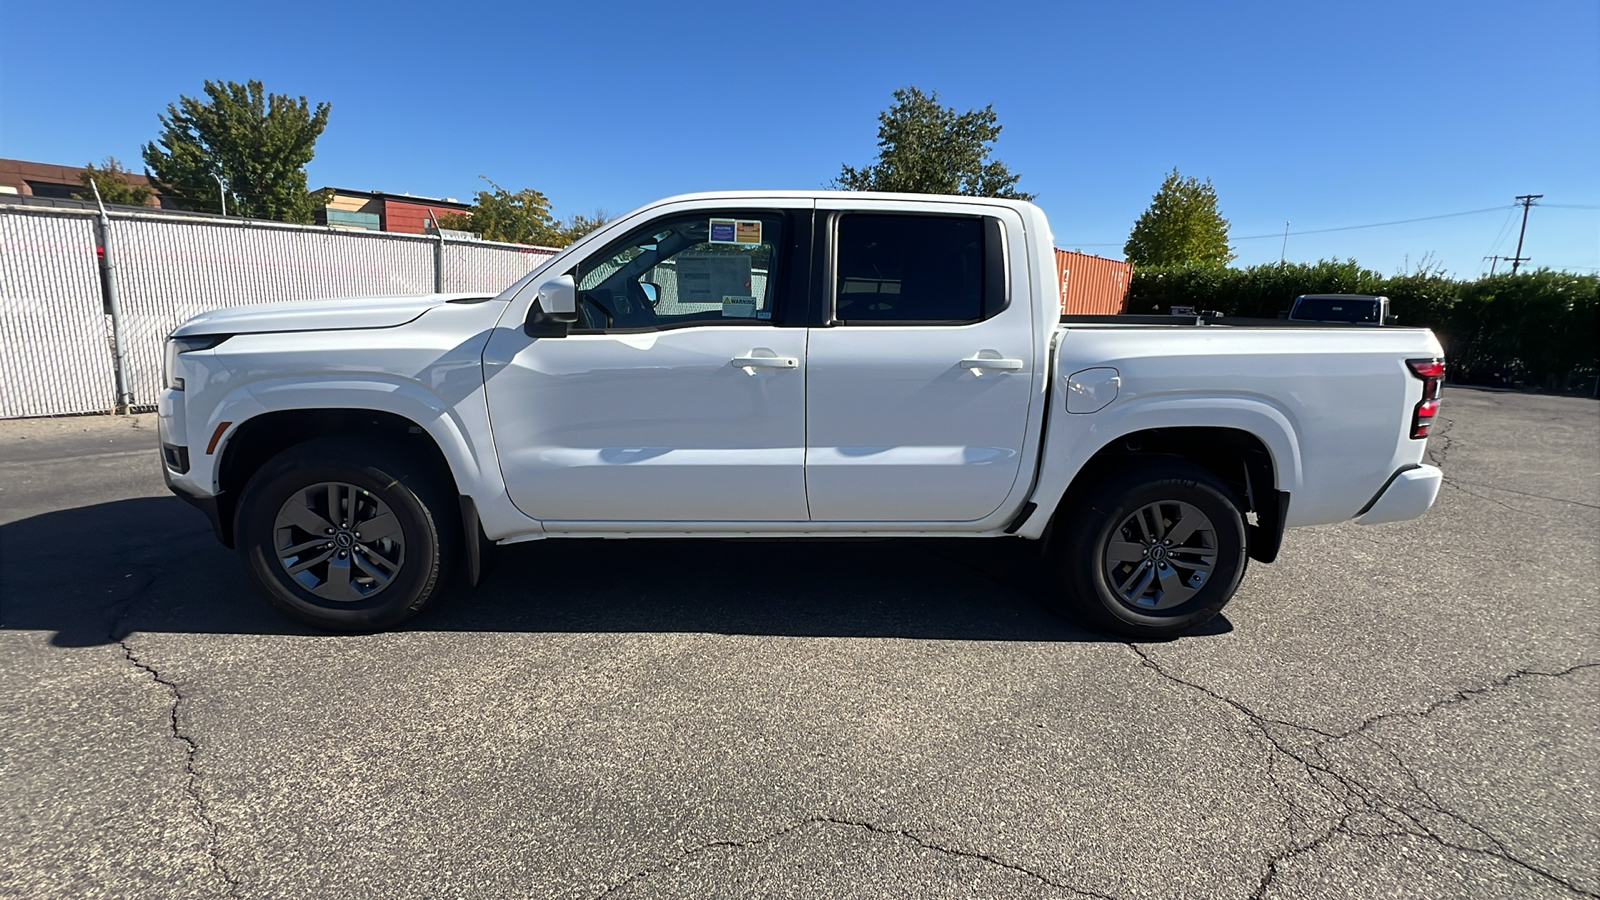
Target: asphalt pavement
x,y
1403,710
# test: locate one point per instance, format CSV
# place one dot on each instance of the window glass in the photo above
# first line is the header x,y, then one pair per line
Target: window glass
x,y
706,267
909,269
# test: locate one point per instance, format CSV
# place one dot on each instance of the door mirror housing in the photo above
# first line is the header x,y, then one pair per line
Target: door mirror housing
x,y
554,309
652,292
558,299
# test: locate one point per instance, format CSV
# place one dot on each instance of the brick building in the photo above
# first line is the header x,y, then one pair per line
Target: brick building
x,y
381,211
20,178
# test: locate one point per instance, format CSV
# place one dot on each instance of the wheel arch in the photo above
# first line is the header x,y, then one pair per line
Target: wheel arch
x,y
254,441
1237,457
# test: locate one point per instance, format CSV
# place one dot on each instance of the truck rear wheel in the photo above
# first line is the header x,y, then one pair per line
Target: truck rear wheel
x,y
345,534
1152,551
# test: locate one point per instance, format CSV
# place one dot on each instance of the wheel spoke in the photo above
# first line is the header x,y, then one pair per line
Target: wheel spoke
x,y
1200,558
1123,551
305,564
1173,590
379,527
373,556
1142,576
335,512
1190,520
338,586
298,549
364,563
298,514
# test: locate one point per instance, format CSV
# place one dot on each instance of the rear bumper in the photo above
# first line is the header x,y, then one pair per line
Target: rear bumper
x,y
1407,495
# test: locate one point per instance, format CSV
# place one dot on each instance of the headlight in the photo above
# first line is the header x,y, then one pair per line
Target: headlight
x,y
177,345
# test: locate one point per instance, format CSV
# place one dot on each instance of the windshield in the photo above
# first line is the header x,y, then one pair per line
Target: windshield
x,y
1337,309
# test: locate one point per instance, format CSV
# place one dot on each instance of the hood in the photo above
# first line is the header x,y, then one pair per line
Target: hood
x,y
318,315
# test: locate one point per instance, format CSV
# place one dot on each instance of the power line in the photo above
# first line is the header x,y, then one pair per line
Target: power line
x,y
1280,235
1569,206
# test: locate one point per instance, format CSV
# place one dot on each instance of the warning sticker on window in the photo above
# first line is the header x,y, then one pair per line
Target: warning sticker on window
x,y
738,307
736,231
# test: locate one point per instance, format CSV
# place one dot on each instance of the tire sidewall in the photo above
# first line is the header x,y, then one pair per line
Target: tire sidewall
x,y
387,480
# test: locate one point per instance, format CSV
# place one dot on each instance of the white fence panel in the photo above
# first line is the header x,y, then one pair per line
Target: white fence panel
x,y
55,352
488,267
170,270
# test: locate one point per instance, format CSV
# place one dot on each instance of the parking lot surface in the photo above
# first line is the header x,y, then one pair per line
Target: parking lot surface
x,y
1402,710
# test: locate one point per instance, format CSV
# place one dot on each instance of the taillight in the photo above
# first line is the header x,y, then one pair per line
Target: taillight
x,y
1431,371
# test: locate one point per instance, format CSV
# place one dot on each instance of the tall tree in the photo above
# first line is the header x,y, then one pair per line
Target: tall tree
x,y
926,148
112,180
258,144
1182,225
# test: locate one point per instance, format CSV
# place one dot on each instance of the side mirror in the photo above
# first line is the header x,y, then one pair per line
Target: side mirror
x,y
554,309
1283,314
1391,320
652,292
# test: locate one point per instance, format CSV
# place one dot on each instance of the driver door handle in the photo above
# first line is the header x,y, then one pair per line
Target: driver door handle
x,y
766,362
1003,365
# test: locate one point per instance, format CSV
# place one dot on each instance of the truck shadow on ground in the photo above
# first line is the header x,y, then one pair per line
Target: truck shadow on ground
x,y
95,574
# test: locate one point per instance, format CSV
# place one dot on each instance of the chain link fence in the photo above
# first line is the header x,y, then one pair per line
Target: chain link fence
x,y
56,351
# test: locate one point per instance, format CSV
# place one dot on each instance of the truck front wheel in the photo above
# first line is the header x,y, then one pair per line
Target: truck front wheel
x,y
345,534
1153,550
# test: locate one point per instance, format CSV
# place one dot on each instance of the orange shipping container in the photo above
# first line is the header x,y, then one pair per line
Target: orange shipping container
x,y
1092,285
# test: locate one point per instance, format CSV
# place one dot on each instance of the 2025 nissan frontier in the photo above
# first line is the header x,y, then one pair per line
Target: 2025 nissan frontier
x,y
786,364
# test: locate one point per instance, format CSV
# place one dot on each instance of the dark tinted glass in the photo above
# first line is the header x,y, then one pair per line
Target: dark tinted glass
x,y
1324,309
909,269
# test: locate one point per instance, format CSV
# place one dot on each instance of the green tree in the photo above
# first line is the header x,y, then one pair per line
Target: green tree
x,y
259,144
520,217
1181,226
925,148
112,180
580,225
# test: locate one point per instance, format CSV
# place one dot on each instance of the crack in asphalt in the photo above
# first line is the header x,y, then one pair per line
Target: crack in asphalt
x,y
117,635
192,785
1457,483
1360,798
858,824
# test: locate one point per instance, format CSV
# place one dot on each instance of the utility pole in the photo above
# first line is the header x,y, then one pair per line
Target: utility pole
x,y
1526,200
1492,260
1284,250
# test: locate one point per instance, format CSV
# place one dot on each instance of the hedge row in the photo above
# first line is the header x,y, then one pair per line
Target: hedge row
x,y
1533,329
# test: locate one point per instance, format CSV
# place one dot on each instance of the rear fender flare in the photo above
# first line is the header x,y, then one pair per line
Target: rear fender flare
x,y
1072,441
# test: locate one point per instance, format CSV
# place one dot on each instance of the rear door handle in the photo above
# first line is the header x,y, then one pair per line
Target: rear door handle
x,y
766,362
1003,365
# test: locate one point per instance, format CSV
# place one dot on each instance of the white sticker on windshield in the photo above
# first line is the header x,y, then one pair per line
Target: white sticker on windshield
x,y
738,307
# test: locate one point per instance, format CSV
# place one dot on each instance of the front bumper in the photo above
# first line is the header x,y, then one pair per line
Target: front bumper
x,y
1407,495
215,508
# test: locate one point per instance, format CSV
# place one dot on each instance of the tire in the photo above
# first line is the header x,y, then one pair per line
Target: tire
x,y
1135,548
329,573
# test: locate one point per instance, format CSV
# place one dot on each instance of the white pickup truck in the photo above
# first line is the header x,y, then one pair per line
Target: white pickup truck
x,y
786,364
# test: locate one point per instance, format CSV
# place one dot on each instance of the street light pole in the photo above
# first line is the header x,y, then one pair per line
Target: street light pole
x,y
222,194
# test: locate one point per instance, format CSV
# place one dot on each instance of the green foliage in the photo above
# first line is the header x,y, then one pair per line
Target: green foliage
x,y
925,148
112,180
580,225
259,144
1535,328
1180,227
520,217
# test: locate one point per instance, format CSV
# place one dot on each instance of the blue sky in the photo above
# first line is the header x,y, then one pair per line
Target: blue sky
x,y
1327,115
